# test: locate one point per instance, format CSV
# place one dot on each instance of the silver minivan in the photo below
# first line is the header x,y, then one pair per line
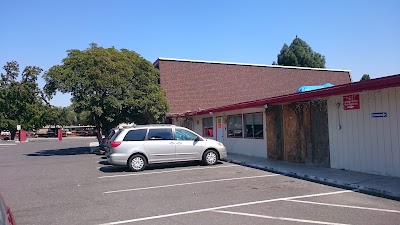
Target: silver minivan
x,y
142,145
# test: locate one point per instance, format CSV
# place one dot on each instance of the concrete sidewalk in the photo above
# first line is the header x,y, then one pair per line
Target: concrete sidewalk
x,y
383,186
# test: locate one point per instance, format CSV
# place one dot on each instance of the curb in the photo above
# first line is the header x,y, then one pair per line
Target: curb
x,y
335,183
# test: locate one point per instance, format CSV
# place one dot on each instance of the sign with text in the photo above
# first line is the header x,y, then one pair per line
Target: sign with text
x,y
351,102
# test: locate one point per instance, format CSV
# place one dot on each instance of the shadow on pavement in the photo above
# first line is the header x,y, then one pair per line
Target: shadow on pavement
x,y
161,166
60,152
104,162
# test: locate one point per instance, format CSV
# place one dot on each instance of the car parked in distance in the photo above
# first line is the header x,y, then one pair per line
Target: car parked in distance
x,y
67,132
5,135
6,216
142,145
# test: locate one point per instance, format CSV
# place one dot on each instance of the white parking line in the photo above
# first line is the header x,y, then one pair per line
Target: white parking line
x,y
279,218
168,171
346,206
7,144
224,207
198,182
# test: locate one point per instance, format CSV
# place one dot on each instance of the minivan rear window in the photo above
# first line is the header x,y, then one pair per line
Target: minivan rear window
x,y
160,134
109,136
135,135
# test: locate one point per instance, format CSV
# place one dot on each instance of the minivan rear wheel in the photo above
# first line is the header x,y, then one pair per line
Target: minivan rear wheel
x,y
137,163
210,157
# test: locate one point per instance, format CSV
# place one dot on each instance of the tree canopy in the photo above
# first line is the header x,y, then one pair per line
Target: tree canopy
x,y
114,86
60,116
365,77
299,53
21,101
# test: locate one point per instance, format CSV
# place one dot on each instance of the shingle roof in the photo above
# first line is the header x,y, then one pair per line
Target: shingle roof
x,y
191,85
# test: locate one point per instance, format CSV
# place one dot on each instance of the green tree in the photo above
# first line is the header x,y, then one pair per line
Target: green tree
x,y
84,118
115,86
51,115
21,101
60,116
299,53
365,77
67,116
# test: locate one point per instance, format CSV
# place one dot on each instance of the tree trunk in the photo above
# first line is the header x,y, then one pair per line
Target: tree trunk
x,y
98,129
99,134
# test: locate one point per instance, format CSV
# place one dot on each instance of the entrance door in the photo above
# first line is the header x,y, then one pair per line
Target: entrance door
x,y
220,129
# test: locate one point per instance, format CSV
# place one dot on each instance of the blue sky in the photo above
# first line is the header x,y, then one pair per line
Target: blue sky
x,y
362,36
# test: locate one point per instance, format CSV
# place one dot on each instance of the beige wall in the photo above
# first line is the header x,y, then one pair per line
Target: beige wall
x,y
363,143
245,146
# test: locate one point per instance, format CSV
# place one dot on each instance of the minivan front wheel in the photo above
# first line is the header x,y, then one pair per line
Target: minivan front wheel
x,y
137,163
210,157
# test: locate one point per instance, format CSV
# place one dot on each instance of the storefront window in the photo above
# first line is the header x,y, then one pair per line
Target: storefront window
x,y
235,126
208,127
253,125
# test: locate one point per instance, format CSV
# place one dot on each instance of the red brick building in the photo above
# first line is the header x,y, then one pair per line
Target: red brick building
x,y
193,85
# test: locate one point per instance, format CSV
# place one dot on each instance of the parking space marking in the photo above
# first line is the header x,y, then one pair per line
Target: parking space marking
x,y
224,207
168,171
183,184
279,218
7,144
345,206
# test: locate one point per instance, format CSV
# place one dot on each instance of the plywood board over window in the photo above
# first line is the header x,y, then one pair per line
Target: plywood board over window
x,y
274,122
296,123
298,132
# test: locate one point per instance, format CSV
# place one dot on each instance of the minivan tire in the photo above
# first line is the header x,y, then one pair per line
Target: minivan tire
x,y
210,157
137,163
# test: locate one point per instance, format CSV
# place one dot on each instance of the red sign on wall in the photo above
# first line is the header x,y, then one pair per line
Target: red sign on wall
x,y
351,102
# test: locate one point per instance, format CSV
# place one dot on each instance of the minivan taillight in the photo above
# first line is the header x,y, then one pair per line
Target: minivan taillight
x,y
115,144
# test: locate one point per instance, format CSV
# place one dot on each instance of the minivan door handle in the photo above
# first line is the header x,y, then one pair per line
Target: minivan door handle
x,y
171,143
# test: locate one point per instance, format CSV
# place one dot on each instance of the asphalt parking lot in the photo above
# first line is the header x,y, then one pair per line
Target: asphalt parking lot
x,y
51,182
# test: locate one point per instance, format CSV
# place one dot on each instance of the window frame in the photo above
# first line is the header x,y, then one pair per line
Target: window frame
x,y
148,134
262,124
144,138
227,130
212,126
189,131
